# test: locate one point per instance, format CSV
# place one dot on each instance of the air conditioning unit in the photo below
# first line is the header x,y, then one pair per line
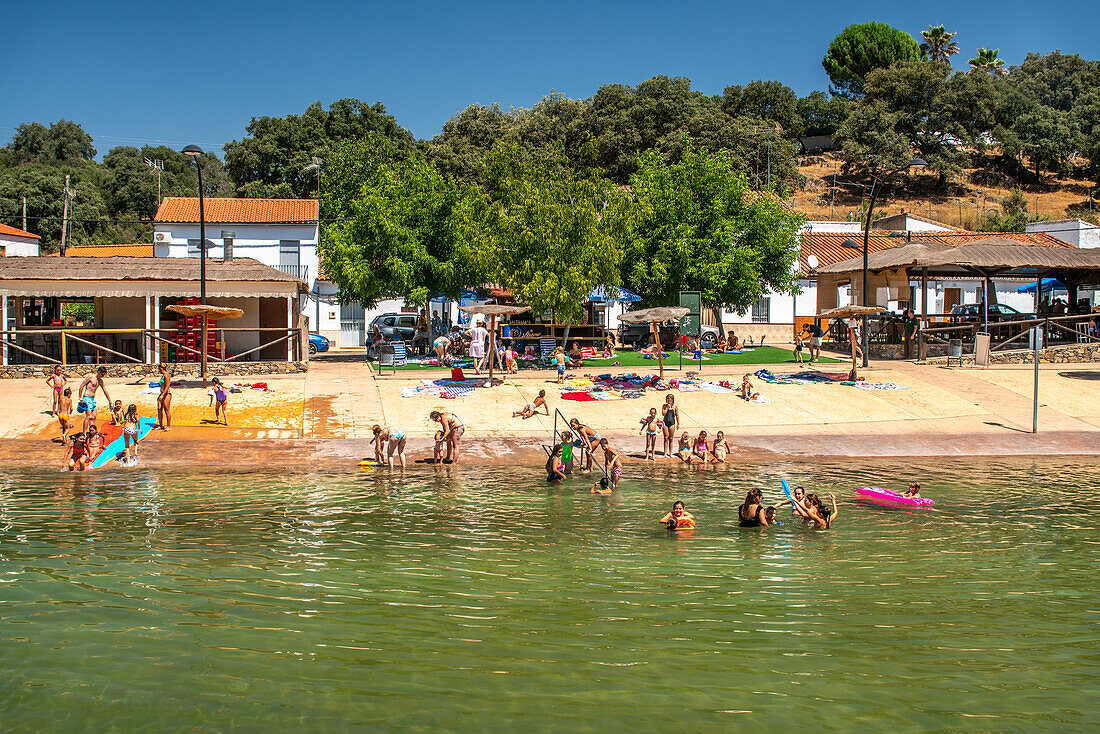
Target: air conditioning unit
x,y
162,237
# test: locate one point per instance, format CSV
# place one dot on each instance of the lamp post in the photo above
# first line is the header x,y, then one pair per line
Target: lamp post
x,y
195,151
914,163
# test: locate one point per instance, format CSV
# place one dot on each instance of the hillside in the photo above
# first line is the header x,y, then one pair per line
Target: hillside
x,y
1056,198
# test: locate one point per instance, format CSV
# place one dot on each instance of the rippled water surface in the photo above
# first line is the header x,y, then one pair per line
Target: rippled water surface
x,y
485,600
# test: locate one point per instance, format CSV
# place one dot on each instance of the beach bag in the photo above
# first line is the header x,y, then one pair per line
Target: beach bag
x,y
456,375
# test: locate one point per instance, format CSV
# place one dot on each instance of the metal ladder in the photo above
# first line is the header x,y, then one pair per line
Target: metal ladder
x,y
555,440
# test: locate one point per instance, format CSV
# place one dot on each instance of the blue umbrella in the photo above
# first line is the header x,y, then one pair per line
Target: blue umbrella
x,y
1049,284
607,293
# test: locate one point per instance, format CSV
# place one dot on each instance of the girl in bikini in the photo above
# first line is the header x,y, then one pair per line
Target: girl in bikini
x,y
671,421
76,457
701,448
64,414
590,437
164,401
93,445
721,448
130,433
57,381
555,469
651,424
219,393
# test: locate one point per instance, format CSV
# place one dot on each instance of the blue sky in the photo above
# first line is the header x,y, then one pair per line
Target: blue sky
x,y
176,73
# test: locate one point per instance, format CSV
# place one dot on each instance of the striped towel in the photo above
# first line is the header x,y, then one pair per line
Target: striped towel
x,y
714,388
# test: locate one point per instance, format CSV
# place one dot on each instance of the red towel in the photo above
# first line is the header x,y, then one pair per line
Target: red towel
x,y
581,396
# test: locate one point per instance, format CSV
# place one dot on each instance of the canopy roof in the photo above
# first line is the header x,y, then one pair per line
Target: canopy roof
x,y
493,309
989,255
657,314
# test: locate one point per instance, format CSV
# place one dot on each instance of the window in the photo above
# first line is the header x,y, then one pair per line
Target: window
x,y
193,248
389,321
761,310
288,252
408,321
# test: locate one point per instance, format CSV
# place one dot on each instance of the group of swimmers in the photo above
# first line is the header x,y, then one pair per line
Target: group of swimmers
x,y
753,513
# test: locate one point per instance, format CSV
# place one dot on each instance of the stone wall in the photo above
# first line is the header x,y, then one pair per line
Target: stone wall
x,y
215,369
773,334
1053,355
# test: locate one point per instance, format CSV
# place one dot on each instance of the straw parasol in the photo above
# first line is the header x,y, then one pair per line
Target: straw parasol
x,y
492,310
208,313
846,312
653,317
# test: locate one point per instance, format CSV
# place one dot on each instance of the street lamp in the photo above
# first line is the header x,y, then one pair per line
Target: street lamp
x,y
914,163
195,151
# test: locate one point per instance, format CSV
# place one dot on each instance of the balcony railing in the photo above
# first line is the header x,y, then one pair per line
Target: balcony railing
x,y
298,271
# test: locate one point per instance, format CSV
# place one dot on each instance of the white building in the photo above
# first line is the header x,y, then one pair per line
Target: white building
x,y
17,243
282,233
1074,231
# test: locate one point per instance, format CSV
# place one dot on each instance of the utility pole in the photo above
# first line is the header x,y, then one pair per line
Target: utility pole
x,y
65,215
25,213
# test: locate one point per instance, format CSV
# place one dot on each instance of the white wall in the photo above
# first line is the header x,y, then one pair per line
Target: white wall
x,y
19,246
825,225
1073,231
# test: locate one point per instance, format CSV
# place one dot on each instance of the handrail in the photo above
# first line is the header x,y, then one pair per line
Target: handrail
x,y
584,445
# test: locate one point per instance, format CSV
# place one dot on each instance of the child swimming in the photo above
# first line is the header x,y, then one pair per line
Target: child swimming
x,y
678,518
601,487
76,458
913,491
651,424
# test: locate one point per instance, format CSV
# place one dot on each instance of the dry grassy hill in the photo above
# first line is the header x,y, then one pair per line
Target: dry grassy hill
x,y
1056,198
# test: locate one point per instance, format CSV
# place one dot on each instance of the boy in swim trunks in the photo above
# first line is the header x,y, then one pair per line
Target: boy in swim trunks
x,y
64,413
440,445
651,424
613,461
91,384
560,360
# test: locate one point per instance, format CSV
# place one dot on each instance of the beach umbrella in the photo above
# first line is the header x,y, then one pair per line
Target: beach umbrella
x,y
1049,284
492,310
846,312
208,314
653,317
612,293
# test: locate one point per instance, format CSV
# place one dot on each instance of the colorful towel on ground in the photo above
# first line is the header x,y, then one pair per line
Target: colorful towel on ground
x,y
758,398
583,397
875,385
714,388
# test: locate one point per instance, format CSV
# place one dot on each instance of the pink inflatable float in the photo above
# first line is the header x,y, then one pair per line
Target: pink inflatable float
x,y
889,495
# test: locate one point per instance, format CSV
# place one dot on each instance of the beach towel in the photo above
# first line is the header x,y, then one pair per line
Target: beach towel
x,y
875,385
583,397
714,388
758,398
587,352
410,392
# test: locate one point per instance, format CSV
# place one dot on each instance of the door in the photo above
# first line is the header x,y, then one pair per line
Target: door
x,y
352,326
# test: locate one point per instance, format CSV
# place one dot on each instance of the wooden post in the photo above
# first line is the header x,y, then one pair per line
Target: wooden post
x,y
203,348
4,316
64,348
146,342
660,350
492,346
924,293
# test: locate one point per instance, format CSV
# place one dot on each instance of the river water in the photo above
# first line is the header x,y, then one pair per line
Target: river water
x,y
482,599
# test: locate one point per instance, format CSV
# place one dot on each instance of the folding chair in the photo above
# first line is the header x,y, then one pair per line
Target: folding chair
x,y
547,345
400,354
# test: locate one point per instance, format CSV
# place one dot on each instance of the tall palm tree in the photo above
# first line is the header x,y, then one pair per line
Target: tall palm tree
x,y
938,44
987,60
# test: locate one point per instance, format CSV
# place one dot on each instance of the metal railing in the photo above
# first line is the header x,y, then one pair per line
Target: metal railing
x,y
1009,335
137,346
298,271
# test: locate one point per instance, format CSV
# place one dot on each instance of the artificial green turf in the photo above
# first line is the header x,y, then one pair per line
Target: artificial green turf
x,y
760,355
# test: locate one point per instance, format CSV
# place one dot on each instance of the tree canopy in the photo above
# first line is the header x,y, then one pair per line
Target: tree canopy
x,y
860,49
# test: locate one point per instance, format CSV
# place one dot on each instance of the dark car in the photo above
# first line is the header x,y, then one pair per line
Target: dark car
x,y
972,313
317,343
401,326
641,335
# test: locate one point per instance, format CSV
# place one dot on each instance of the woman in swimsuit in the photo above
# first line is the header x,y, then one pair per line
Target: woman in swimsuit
x,y
589,437
671,421
164,401
441,346
394,439
452,432
57,381
751,514
700,449
721,448
651,424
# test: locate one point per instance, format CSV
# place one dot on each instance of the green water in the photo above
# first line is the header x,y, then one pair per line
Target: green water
x,y
484,600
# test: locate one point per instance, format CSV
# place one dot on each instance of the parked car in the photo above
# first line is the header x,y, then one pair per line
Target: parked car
x,y
317,343
393,326
640,335
972,313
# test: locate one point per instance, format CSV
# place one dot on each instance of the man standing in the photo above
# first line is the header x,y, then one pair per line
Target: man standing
x,y
815,333
92,383
910,324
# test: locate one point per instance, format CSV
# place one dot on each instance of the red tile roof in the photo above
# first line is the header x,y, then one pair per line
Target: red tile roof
x,y
13,232
141,250
238,211
828,248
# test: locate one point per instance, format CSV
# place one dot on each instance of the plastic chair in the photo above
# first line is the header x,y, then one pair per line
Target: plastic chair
x,y
400,354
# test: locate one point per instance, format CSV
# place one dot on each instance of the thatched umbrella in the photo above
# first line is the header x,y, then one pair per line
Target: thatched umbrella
x,y
846,312
208,313
653,317
492,310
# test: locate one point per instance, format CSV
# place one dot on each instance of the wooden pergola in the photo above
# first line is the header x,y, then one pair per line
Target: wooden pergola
x,y
492,310
653,317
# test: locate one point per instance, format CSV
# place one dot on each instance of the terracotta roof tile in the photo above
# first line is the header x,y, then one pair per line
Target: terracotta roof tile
x,y
141,250
828,248
238,211
13,232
